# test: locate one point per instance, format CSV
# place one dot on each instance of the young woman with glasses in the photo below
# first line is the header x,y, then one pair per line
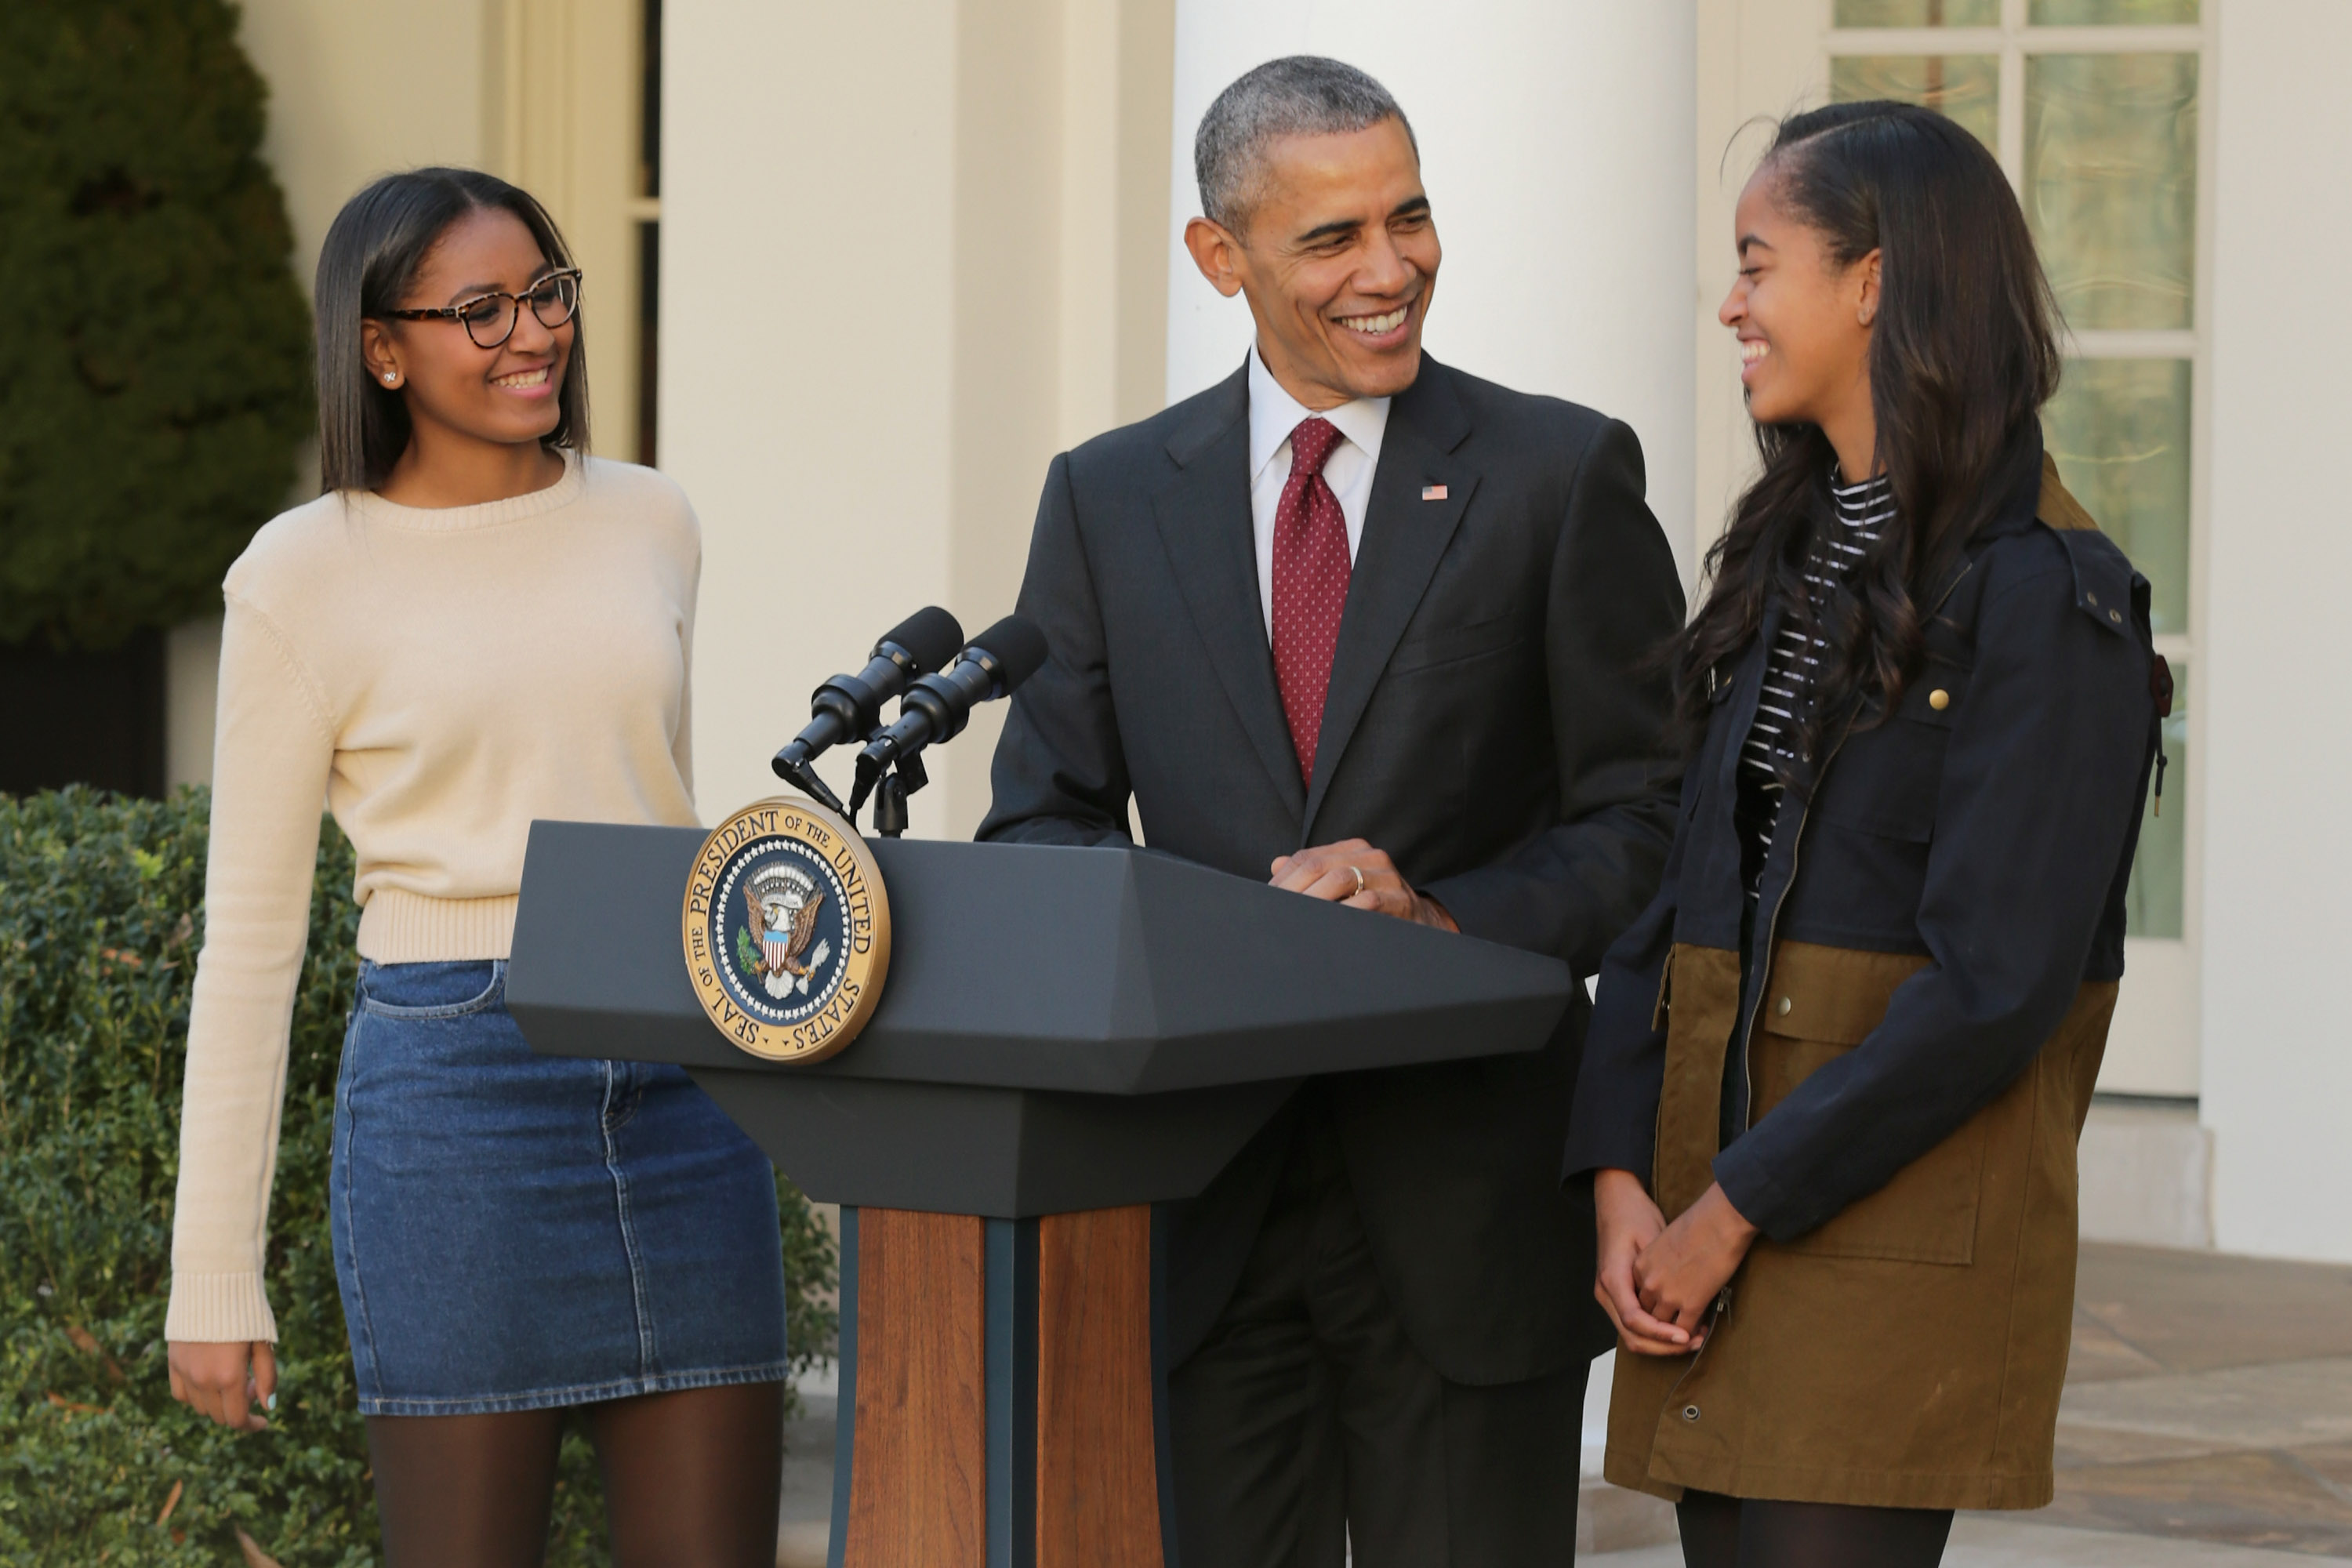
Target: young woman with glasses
x,y
1835,1074
474,624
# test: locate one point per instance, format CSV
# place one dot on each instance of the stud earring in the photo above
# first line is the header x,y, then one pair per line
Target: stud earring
x,y
390,379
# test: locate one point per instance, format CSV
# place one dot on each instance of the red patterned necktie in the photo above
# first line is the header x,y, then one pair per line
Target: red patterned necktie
x,y
1310,584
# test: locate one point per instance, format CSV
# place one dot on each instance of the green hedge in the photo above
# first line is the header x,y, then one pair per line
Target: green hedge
x,y
100,919
155,344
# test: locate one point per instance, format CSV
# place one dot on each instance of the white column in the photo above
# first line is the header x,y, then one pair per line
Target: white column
x,y
898,273
807,303
1557,146
2277,1089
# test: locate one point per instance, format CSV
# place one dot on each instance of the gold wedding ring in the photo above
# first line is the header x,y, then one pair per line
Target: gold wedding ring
x,y
1358,870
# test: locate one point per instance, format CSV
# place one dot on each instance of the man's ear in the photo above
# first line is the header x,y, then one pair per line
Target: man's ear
x,y
1216,253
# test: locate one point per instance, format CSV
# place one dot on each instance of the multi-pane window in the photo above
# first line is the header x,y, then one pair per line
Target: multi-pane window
x,y
2093,107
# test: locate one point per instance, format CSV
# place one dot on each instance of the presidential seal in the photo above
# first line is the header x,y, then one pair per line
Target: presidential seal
x,y
787,931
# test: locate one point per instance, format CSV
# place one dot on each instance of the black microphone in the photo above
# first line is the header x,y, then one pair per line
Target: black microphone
x,y
848,707
937,707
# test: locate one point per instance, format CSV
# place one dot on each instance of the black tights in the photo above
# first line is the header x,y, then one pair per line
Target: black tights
x,y
691,1481
1746,1532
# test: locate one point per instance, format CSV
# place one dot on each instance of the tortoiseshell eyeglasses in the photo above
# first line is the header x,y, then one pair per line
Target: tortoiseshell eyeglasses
x,y
489,319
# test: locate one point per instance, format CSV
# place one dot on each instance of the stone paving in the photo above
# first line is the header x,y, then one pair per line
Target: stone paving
x,y
2207,1423
806,1525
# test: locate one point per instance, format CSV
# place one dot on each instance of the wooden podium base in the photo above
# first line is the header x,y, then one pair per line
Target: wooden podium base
x,y
1002,1404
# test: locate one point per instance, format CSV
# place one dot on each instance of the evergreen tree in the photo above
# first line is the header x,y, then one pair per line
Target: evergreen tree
x,y
154,346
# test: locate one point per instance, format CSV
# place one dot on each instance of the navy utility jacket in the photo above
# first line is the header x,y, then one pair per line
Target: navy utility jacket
x,y
1991,831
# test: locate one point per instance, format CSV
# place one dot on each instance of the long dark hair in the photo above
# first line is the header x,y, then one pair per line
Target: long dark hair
x,y
1963,353
373,253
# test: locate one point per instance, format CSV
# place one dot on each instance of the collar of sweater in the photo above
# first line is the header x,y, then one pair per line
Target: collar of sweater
x,y
373,507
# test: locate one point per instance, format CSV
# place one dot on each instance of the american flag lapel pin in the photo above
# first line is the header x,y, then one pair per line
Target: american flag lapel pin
x,y
1433,492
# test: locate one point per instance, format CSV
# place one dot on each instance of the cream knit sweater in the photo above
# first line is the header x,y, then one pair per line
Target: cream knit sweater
x,y
438,678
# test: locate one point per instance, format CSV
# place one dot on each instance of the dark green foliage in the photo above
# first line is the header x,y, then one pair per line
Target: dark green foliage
x,y
154,346
101,919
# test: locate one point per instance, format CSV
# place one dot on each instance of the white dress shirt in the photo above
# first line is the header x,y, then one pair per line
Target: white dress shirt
x,y
1273,413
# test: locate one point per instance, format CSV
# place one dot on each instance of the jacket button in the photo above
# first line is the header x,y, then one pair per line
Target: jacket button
x,y
1939,699
2093,598
1782,1006
1690,1412
2115,616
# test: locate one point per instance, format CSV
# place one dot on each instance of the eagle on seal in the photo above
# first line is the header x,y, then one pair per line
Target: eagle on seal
x,y
784,931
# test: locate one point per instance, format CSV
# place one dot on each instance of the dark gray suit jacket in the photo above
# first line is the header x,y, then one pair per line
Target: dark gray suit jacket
x,y
1491,723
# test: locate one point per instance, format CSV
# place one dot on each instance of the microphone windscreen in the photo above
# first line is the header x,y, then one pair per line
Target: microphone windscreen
x,y
1018,648
930,634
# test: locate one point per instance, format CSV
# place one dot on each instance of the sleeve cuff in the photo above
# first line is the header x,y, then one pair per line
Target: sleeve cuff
x,y
1473,911
1761,1201
219,1308
1591,1150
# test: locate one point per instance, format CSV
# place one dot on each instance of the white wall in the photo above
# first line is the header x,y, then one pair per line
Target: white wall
x,y
191,696
816,535
357,90
354,91
1557,146
2278,847
931,193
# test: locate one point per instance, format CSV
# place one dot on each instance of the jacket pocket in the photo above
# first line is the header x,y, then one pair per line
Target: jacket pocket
x,y
1818,1008
1452,645
1885,779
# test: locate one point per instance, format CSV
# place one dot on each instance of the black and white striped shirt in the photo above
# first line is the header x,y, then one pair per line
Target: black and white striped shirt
x,y
1863,513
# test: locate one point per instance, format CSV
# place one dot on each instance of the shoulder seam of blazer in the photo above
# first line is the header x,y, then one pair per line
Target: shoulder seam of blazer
x,y
1216,408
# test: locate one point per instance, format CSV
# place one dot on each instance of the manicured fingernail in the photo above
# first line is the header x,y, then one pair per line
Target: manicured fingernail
x,y
271,1402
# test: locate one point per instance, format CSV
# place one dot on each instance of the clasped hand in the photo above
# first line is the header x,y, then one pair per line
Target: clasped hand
x,y
1352,872
1657,1280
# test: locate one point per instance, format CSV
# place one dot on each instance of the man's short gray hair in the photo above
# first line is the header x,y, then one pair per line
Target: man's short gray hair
x,y
1299,95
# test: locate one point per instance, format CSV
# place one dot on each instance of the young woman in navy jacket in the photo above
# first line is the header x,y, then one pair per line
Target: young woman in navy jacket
x,y
1833,1087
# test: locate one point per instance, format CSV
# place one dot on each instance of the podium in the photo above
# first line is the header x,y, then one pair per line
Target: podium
x,y
1065,1038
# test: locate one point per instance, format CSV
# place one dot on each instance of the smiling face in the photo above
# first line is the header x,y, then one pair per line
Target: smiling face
x,y
506,395
1803,320
1338,260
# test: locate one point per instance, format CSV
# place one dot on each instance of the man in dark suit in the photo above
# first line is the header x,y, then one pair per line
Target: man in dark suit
x,y
1379,629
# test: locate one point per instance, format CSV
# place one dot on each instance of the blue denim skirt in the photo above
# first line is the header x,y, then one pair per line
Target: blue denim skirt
x,y
514,1231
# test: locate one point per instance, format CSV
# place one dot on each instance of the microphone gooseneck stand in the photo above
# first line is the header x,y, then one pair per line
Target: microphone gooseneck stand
x,y
891,789
903,777
890,792
803,776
